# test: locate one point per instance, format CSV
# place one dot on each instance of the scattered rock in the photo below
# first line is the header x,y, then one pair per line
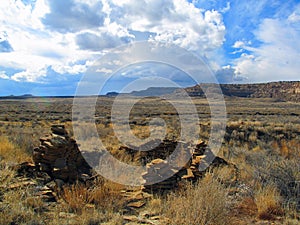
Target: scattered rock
x,y
135,199
142,219
131,218
21,185
137,204
158,169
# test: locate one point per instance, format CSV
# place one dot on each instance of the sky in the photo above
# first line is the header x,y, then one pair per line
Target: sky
x,y
47,46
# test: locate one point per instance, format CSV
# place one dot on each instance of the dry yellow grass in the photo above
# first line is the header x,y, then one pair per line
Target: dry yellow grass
x,y
265,148
11,153
15,208
204,203
267,200
105,196
76,196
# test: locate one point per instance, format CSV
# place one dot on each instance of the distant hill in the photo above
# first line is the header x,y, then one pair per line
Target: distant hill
x,y
112,94
283,90
154,91
29,96
25,96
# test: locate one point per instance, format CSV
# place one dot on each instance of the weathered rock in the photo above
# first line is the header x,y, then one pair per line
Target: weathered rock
x,y
58,129
137,204
30,170
159,168
145,219
59,156
155,149
21,184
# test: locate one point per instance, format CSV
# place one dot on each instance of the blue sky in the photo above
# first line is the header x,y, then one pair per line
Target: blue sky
x,y
46,46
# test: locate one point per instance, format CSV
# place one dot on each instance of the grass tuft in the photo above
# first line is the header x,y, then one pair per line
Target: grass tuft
x,y
203,203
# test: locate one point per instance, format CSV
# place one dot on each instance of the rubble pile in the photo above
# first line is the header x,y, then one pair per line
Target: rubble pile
x,y
158,150
59,156
157,169
203,155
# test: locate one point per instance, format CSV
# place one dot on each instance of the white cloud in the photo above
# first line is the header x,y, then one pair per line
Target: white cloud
x,y
105,38
177,22
120,2
238,44
295,16
19,15
73,15
70,69
104,70
64,35
226,9
3,75
29,75
227,74
277,58
34,47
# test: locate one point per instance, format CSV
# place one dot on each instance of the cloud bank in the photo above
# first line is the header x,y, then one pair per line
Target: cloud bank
x,y
53,41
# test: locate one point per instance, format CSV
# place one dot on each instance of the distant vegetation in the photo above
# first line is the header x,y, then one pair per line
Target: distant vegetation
x,y
262,139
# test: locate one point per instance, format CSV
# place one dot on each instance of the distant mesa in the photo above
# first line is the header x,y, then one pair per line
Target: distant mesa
x,y
112,94
280,91
154,91
25,96
151,91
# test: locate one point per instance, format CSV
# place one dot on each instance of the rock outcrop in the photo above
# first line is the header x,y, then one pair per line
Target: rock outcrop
x,y
59,156
282,91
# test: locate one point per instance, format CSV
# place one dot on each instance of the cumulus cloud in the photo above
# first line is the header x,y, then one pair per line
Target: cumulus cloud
x,y
277,58
71,16
68,35
178,22
227,74
35,47
98,41
29,75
